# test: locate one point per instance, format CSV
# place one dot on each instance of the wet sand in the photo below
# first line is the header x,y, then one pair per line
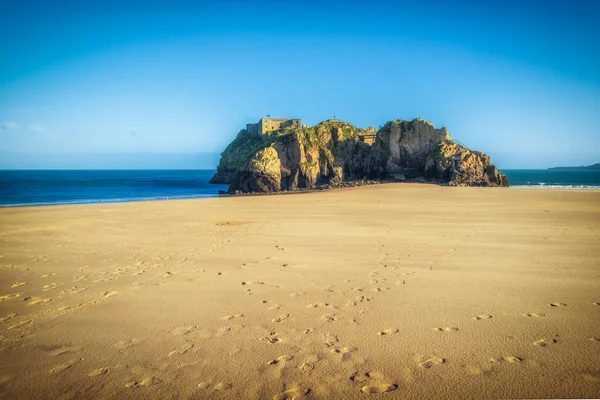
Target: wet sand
x,y
417,291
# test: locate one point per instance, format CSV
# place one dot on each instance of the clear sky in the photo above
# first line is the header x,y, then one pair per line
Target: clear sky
x,y
88,81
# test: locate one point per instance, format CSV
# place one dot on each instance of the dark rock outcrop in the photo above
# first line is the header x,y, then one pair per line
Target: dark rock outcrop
x,y
334,151
458,166
402,148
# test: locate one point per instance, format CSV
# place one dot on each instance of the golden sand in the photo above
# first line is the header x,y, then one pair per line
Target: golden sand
x,y
414,290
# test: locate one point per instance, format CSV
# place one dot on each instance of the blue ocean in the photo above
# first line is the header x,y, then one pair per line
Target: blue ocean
x,y
20,188
551,178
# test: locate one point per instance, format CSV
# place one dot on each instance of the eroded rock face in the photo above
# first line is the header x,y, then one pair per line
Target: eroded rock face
x,y
413,149
332,152
324,154
260,174
459,166
402,147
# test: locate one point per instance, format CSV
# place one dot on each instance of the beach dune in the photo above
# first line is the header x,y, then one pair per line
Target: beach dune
x,y
416,291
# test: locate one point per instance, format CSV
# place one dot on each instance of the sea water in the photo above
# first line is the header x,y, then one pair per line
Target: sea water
x,y
551,178
19,188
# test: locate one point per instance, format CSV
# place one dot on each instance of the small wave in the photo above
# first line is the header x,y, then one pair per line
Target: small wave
x,y
571,187
109,201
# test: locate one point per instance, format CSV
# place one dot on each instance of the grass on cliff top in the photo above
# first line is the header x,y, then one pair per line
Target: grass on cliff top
x,y
404,123
241,150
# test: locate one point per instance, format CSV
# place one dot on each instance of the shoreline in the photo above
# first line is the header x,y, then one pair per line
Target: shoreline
x,y
288,192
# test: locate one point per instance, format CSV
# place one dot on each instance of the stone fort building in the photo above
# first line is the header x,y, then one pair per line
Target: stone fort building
x,y
266,125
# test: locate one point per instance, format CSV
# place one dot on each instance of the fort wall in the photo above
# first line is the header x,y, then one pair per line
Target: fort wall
x,y
266,125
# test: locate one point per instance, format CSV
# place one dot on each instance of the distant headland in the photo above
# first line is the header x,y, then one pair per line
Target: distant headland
x,y
281,154
593,167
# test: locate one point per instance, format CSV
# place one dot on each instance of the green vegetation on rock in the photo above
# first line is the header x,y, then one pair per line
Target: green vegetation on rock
x,y
334,151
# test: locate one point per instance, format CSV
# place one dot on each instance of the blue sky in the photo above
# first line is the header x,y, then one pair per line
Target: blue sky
x,y
519,80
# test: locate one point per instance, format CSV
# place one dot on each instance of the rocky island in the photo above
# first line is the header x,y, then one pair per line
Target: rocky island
x,y
284,155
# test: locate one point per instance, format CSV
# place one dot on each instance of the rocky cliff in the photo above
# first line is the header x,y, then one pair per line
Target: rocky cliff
x,y
334,151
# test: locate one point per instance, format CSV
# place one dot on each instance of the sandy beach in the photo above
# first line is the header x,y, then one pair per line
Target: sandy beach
x,y
388,291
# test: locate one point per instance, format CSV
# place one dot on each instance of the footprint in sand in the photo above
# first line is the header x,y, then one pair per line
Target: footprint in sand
x,y
331,339
71,307
17,284
557,305
73,290
182,350
446,329
22,324
48,275
50,286
378,289
109,294
9,316
9,296
99,371
508,359
221,386
343,350
431,362
184,330
373,382
534,315
280,360
360,377
228,317
272,338
358,300
148,381
229,328
275,307
281,318
483,316
36,300
292,394
596,303
330,317
57,351
309,365
315,305
384,387
64,366
124,344
545,342
388,331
